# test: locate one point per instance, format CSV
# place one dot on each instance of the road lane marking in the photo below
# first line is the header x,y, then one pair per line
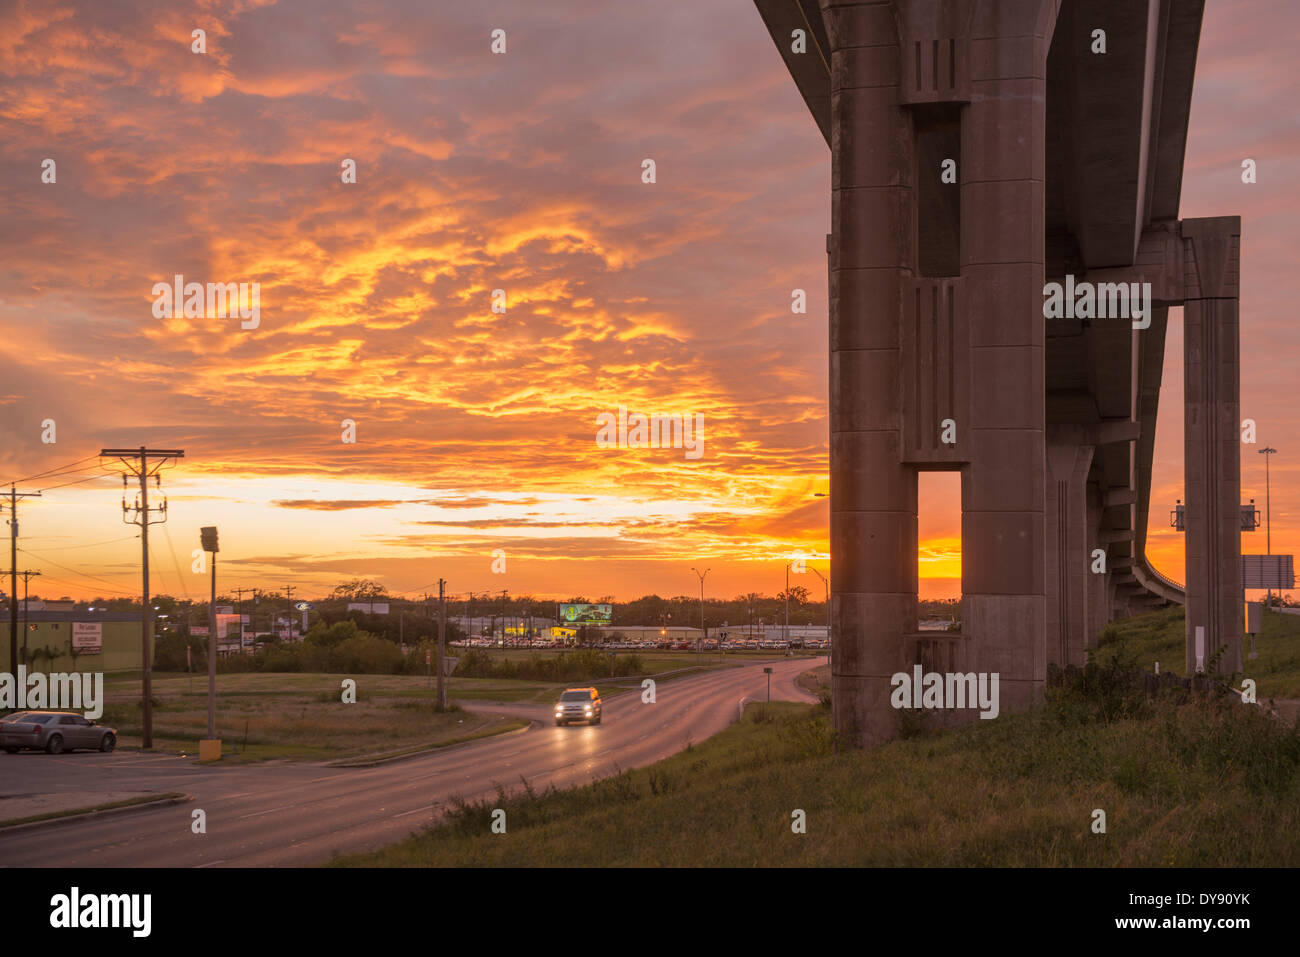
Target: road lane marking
x,y
268,811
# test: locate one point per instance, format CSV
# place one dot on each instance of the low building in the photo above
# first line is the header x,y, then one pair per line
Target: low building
x,y
648,632
369,607
102,641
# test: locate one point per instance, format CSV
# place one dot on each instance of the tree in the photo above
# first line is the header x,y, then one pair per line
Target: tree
x,y
330,635
798,595
359,589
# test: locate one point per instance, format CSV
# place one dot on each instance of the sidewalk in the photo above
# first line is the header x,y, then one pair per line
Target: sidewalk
x,y
21,807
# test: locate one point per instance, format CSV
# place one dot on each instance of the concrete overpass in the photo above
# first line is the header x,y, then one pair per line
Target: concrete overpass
x,y
1068,147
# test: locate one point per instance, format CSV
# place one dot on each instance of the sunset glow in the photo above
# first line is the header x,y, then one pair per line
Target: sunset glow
x,y
475,429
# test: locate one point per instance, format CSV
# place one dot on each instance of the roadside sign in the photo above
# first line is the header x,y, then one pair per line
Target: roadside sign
x,y
1267,571
304,606
1254,617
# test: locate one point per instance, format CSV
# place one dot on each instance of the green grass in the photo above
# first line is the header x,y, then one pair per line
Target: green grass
x,y
816,681
1159,637
1205,783
295,716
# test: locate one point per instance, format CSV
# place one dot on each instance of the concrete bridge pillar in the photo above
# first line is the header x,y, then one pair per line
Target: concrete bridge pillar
x,y
1003,147
1098,586
936,337
1069,585
1212,450
873,493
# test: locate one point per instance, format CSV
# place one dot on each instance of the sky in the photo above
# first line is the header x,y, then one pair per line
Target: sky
x,y
475,431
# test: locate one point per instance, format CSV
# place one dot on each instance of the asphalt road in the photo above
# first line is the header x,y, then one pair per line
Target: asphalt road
x,y
300,814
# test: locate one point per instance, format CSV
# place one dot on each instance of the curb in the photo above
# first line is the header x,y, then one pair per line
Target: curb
x,y
104,812
406,756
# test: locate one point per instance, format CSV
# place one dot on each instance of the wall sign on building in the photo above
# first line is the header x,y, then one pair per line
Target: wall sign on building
x,y
87,637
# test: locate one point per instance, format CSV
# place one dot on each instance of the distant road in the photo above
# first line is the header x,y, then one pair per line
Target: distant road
x,y
300,814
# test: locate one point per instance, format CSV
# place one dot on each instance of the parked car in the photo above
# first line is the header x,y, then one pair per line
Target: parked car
x,y
54,732
578,704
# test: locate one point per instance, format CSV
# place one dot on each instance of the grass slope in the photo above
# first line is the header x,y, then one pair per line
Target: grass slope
x,y
1159,636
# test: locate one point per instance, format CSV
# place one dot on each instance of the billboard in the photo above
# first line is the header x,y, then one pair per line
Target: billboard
x,y
586,614
87,637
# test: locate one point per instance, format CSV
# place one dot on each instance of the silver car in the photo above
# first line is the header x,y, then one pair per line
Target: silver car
x,y
578,704
54,732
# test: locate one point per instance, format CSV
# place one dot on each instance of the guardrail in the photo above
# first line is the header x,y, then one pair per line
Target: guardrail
x,y
1158,584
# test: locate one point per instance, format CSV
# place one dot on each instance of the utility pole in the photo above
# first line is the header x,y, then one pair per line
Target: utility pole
x,y
142,510
442,643
26,576
239,610
288,610
14,496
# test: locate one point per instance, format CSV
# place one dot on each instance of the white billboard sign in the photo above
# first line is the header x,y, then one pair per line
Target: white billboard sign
x,y
87,637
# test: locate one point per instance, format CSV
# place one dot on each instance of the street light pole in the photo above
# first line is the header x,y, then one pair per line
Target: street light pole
x,y
210,747
827,585
442,642
785,631
699,645
1268,516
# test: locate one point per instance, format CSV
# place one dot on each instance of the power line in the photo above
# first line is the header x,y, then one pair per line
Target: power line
x,y
63,581
74,469
65,567
57,468
77,482
180,578
60,474
59,548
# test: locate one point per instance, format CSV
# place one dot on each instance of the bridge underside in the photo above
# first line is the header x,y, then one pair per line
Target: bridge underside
x,y
1066,167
